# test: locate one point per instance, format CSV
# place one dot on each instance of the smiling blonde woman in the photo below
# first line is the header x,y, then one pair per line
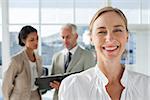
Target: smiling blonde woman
x,y
109,79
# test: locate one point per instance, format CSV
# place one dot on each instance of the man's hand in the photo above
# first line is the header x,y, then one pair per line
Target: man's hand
x,y
55,84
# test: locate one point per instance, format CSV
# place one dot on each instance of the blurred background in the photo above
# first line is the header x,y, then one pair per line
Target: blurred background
x,y
47,16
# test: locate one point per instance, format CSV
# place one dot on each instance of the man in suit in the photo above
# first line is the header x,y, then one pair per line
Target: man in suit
x,y
79,58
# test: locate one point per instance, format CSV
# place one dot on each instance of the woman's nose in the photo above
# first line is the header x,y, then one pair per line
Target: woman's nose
x,y
36,41
65,40
109,37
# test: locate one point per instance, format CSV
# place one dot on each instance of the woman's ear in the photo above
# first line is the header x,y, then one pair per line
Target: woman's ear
x,y
91,41
127,37
23,40
76,35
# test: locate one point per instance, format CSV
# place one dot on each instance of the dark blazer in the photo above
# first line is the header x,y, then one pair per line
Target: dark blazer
x,y
17,78
81,60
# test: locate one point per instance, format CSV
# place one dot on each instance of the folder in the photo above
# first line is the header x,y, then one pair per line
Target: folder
x,y
43,82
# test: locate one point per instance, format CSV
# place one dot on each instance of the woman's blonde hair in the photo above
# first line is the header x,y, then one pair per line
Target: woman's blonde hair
x,y
104,10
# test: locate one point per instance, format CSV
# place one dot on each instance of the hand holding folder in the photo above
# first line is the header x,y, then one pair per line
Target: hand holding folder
x,y
43,82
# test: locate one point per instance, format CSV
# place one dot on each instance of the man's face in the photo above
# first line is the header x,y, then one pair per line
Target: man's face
x,y
69,39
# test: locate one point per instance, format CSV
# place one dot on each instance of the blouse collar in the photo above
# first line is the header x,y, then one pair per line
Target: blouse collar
x,y
104,79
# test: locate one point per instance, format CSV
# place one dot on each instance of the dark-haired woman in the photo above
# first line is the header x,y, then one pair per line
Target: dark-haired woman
x,y
18,82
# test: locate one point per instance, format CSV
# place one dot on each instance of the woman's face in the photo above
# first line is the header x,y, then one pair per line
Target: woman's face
x,y
31,41
109,36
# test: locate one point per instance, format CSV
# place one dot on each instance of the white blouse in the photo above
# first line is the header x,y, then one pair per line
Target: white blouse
x,y
34,74
90,85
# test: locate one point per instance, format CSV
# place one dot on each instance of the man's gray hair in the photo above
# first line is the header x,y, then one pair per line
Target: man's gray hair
x,y
71,26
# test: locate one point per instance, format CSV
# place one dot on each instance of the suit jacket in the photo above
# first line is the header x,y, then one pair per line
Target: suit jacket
x,y
17,78
80,61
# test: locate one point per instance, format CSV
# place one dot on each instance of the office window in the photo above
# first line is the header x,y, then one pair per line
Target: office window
x,y
131,8
23,15
48,16
137,11
145,12
53,15
56,11
51,42
23,12
56,15
85,9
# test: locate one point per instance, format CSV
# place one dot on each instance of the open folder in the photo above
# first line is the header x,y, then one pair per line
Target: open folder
x,y
43,82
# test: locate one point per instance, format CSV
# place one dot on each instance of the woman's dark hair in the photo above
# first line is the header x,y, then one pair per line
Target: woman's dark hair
x,y
24,32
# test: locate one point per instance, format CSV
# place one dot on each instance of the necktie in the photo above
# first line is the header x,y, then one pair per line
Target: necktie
x,y
68,59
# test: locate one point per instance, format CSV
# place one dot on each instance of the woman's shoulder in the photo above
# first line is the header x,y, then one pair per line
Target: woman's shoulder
x,y
81,78
18,56
76,85
137,74
77,82
138,83
138,78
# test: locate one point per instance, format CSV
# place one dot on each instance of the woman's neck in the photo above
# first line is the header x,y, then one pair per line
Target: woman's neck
x,y
30,54
112,70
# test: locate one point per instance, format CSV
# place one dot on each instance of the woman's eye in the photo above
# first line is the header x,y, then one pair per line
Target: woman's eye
x,y
62,37
102,32
32,40
117,30
37,38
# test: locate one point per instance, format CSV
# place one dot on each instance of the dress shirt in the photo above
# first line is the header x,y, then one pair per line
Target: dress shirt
x,y
90,85
66,51
72,50
67,61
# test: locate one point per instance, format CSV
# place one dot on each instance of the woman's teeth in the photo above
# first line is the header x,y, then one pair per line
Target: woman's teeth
x,y
111,48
